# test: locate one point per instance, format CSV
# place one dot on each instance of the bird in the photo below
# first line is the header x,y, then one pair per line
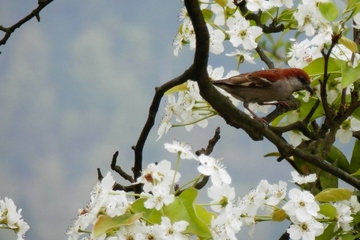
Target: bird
x,y
265,86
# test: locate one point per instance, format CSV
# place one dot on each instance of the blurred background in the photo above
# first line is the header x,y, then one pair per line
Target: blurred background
x,y
77,86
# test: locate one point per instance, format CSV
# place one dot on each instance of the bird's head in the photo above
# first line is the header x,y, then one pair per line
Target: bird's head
x,y
299,79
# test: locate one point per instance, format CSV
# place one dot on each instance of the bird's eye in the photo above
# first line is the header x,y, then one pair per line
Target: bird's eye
x,y
303,80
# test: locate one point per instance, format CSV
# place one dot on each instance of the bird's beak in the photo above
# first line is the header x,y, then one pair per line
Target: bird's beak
x,y
309,89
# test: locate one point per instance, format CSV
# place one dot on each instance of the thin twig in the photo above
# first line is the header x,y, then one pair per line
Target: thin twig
x,y
35,13
159,93
211,144
264,58
118,169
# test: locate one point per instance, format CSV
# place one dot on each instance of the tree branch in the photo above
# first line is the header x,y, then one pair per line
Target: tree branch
x,y
256,18
35,13
264,58
231,114
219,102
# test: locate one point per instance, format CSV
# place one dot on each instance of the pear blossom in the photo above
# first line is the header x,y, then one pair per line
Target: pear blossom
x,y
217,38
256,5
215,169
301,205
184,15
252,201
219,14
241,33
221,195
226,224
295,136
354,204
101,189
215,73
307,230
343,53
164,126
280,3
181,148
158,174
344,134
255,107
116,203
188,109
185,35
133,231
160,196
173,231
332,93
343,216
309,17
277,192
12,218
302,53
297,178
357,21
242,55
153,232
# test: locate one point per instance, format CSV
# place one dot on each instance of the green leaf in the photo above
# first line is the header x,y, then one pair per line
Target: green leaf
x,y
356,114
328,210
150,215
184,208
333,195
306,108
351,45
352,7
279,215
328,232
316,67
336,157
355,158
357,173
178,88
327,180
349,74
272,154
287,15
207,13
349,236
222,3
104,223
266,17
328,10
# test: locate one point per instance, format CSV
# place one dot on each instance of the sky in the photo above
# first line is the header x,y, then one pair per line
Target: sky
x,y
77,86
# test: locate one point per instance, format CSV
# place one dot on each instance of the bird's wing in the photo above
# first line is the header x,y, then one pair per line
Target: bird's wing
x,y
258,79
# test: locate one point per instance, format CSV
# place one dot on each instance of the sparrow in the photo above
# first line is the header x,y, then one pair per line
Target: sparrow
x,y
265,86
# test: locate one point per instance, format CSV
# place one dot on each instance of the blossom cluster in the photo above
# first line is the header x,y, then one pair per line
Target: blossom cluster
x,y
158,191
188,108
10,218
225,22
158,212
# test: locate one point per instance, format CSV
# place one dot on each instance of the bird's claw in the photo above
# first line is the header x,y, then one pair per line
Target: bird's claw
x,y
282,103
261,120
